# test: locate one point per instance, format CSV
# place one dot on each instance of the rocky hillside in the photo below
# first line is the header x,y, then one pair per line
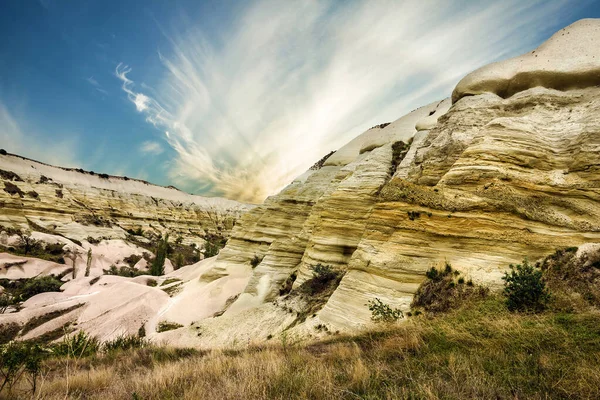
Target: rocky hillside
x,y
80,204
506,168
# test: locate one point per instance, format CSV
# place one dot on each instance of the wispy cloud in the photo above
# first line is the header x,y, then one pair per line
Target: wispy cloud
x,y
251,107
150,147
92,81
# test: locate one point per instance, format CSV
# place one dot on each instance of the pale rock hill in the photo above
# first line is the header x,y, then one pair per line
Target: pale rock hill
x,y
79,204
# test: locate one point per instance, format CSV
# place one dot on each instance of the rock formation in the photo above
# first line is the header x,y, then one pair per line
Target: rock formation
x,y
507,168
79,204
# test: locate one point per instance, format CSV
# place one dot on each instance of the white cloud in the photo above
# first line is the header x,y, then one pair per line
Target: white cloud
x,y
150,147
291,81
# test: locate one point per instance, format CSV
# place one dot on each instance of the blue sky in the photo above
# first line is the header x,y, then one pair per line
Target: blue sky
x,y
235,99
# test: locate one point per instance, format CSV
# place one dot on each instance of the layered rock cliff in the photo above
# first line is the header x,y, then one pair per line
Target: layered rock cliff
x,y
79,204
505,170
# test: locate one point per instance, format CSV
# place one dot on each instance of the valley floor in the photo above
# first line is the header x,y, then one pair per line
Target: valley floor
x,y
478,351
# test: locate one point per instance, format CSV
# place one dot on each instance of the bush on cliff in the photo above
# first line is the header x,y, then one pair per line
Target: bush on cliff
x,y
525,289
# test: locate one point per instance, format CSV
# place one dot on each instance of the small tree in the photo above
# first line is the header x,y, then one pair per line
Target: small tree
x,y
381,312
19,359
524,288
88,264
158,264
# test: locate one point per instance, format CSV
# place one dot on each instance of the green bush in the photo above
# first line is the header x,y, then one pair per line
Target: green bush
x,y
524,288
78,345
214,244
18,359
381,312
34,286
323,276
127,272
125,342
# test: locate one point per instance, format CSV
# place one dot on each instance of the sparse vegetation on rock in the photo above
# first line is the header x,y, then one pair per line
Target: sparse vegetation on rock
x,y
13,189
319,164
164,326
444,290
382,312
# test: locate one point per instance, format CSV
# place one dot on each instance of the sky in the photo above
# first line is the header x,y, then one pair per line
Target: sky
x,y
236,99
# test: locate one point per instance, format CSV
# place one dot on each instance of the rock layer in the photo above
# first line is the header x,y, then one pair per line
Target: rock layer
x,y
79,204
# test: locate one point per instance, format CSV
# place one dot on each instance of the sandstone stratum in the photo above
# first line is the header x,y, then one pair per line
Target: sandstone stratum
x,y
506,168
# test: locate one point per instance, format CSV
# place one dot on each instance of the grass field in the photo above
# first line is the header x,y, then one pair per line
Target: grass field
x,y
478,351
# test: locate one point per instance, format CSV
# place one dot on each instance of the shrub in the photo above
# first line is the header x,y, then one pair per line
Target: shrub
x,y
8,331
164,326
88,263
286,287
18,359
412,215
132,259
319,164
127,272
124,342
439,293
78,345
169,281
214,243
6,301
381,312
524,288
92,240
323,276
10,176
136,232
34,286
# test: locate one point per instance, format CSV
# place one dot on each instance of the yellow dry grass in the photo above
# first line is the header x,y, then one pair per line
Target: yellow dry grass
x,y
479,351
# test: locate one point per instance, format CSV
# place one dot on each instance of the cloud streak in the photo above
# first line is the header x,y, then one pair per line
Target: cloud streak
x,y
150,147
251,108
92,81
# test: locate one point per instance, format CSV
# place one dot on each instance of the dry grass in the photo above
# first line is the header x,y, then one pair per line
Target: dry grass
x,y
479,351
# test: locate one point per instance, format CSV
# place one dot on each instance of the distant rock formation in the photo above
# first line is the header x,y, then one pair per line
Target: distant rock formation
x,y
80,204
